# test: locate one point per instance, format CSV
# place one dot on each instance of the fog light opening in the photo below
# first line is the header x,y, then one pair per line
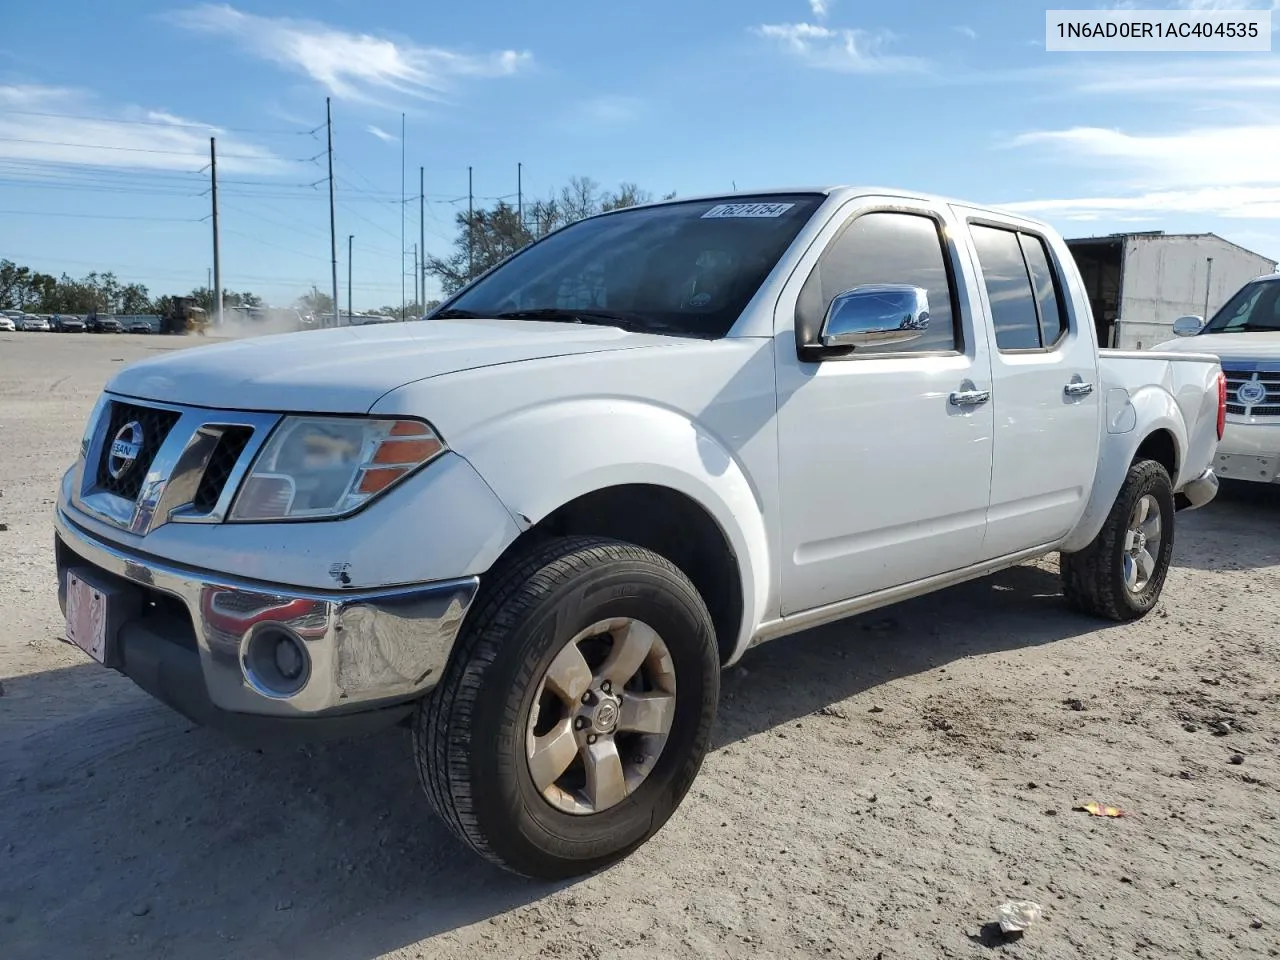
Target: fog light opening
x,y
276,662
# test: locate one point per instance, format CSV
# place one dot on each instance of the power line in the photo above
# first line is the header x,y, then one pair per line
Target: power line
x,y
100,216
211,127
268,243
172,153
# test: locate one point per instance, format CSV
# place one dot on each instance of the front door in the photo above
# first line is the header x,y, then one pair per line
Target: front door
x,y
1047,399
884,475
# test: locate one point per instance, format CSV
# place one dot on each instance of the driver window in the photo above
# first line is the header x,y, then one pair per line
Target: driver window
x,y
884,247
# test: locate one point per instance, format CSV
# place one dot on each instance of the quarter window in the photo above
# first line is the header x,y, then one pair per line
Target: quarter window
x,y
884,247
1022,287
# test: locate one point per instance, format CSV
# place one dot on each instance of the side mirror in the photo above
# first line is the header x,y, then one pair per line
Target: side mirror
x,y
876,314
1187,326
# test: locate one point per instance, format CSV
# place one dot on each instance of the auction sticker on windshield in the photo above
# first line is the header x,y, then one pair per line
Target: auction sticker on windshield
x,y
725,210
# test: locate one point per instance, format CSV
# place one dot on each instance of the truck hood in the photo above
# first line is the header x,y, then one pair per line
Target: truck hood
x,y
346,370
1227,346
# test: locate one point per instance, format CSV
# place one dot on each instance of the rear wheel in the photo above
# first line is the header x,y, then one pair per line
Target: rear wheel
x,y
577,708
1121,574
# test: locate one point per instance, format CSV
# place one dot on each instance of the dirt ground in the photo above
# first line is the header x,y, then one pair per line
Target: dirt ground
x,y
875,789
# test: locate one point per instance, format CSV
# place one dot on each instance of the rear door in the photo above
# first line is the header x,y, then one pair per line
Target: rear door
x,y
1046,395
884,479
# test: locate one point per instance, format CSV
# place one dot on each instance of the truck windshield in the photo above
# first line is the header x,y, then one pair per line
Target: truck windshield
x,y
684,268
1256,307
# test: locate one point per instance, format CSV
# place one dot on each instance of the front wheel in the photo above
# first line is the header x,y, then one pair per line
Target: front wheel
x,y
576,710
1121,573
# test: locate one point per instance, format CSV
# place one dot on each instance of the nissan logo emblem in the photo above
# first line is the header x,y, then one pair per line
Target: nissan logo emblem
x,y
125,449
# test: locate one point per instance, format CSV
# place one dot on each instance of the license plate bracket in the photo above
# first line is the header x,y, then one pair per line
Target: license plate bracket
x,y
1243,466
97,607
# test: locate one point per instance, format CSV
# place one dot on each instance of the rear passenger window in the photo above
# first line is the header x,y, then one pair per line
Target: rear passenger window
x,y
1026,303
1053,322
884,247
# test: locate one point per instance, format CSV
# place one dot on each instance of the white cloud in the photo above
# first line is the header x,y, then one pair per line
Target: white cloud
x,y
1262,203
42,125
351,66
1183,76
382,134
820,8
1210,156
1227,4
969,32
609,109
1224,171
843,50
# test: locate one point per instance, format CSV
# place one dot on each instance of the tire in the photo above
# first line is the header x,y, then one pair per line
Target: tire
x,y
1104,579
471,735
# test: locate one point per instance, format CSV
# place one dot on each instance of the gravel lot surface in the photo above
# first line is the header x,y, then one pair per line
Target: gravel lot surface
x,y
876,788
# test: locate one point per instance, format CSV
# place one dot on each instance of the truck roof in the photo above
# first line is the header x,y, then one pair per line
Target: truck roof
x,y
845,192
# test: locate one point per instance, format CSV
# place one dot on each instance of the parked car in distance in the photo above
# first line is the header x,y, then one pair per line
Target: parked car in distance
x,y
33,323
68,323
7,324
1245,336
538,525
103,325
138,326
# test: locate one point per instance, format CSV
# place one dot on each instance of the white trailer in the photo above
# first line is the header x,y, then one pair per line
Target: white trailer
x,y
1139,283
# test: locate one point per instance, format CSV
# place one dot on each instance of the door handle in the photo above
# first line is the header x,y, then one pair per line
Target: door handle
x,y
1077,389
969,398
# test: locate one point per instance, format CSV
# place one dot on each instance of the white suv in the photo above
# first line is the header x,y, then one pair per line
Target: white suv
x,y
1245,336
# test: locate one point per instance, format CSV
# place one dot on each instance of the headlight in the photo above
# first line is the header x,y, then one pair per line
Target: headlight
x,y
326,467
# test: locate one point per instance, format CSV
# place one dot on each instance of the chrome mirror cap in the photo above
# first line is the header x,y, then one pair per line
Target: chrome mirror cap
x,y
1187,326
876,314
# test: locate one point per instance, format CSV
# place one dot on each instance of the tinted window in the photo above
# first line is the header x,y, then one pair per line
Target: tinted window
x,y
1013,305
1256,306
686,268
883,248
1053,322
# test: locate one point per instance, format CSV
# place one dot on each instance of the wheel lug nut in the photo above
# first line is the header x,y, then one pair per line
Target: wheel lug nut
x,y
586,697
580,723
592,738
607,687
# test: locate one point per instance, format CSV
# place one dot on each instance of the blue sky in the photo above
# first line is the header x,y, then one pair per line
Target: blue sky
x,y
106,110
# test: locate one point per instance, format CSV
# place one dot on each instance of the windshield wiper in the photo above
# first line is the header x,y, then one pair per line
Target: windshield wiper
x,y
453,313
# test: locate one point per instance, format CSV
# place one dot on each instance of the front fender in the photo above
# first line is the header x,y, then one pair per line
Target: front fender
x,y
1131,419
545,456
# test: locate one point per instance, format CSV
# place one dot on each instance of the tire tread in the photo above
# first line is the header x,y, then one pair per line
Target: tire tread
x,y
442,726
1087,580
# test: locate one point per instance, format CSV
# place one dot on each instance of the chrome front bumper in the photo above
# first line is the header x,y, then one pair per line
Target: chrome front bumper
x,y
364,649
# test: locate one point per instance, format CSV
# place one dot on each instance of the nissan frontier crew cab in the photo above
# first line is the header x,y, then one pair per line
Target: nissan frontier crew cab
x,y
537,525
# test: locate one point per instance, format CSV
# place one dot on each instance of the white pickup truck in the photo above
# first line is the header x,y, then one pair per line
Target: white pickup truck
x,y
537,525
1245,337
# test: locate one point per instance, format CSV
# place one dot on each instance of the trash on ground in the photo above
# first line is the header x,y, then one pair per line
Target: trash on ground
x,y
1099,809
1015,917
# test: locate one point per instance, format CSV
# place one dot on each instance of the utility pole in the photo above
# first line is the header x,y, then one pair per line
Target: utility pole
x,y
333,235
471,230
350,237
402,218
217,257
422,236
520,192
416,298
1208,276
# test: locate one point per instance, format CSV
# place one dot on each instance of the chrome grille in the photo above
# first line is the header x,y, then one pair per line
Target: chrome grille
x,y
187,463
155,423
1267,405
222,461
